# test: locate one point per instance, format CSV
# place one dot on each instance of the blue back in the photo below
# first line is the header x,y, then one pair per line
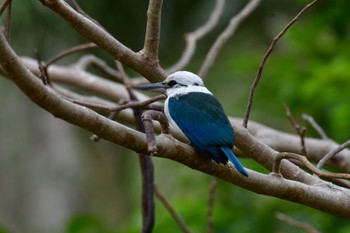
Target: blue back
x,y
202,119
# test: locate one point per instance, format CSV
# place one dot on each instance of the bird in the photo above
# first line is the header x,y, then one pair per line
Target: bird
x,y
193,110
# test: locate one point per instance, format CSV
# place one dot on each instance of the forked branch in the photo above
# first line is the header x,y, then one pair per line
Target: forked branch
x,y
266,56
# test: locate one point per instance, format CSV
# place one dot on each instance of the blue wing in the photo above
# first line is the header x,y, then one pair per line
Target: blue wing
x,y
202,119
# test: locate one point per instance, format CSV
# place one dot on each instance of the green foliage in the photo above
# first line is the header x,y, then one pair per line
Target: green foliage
x,y
3,230
87,224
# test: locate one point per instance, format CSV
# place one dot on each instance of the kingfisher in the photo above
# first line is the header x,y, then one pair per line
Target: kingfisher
x,y
193,110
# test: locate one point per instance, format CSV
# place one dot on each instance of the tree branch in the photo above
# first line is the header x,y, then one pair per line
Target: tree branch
x,y
192,37
301,130
314,125
70,51
93,32
332,153
150,48
4,5
224,36
211,199
301,225
307,164
171,210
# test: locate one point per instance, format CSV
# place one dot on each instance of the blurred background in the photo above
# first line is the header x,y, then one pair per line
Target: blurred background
x,y
54,179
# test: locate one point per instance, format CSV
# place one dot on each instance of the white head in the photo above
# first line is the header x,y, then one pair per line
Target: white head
x,y
182,82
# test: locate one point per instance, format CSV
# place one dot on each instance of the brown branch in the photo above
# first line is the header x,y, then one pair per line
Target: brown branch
x,y
148,209
332,153
123,76
316,148
301,225
44,76
193,37
307,164
150,48
178,219
266,56
4,5
225,36
211,200
147,118
300,129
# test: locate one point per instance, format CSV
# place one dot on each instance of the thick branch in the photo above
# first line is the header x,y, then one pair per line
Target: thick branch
x,y
76,76
103,39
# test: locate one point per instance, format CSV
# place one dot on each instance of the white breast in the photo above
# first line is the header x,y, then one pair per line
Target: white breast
x,y
171,121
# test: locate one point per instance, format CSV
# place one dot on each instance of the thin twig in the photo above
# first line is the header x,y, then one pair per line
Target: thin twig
x,y
44,76
8,22
82,12
266,56
314,125
70,51
171,210
125,79
211,200
43,67
332,153
301,225
301,130
150,48
4,5
193,37
225,36
90,59
130,104
321,173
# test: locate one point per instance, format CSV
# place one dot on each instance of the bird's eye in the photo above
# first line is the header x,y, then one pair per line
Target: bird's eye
x,y
172,83
196,84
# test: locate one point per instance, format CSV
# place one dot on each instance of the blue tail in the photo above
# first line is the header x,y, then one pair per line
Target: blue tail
x,y
231,156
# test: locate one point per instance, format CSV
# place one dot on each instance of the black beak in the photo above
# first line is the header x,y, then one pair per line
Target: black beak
x,y
156,87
